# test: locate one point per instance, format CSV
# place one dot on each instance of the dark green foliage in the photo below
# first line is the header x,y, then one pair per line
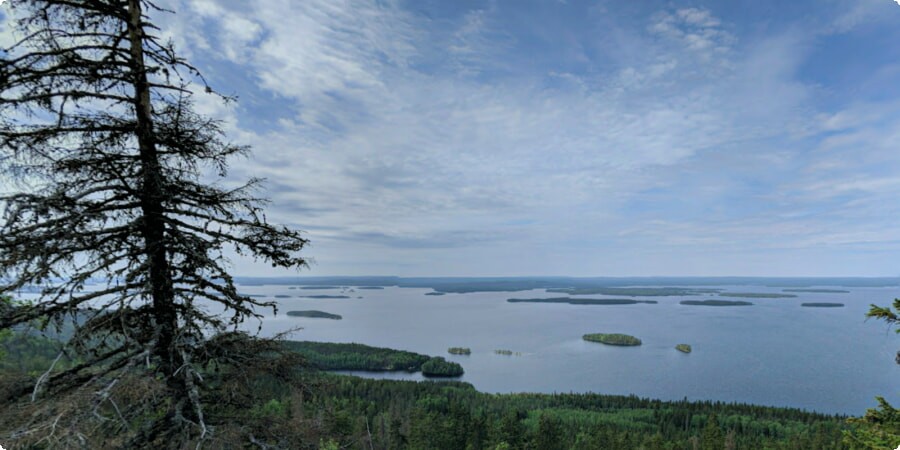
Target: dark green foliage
x,y
459,351
453,415
715,303
712,438
314,314
338,356
581,301
877,429
440,367
612,339
684,348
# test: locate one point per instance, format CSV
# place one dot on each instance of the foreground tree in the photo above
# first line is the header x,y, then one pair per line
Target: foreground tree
x,y
109,171
879,428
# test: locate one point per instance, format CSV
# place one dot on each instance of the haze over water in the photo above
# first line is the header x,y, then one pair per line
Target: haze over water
x,y
772,353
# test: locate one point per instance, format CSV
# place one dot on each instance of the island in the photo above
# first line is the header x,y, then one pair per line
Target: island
x,y
822,305
613,339
251,295
459,351
818,291
440,367
507,352
282,296
434,293
325,296
683,348
715,303
370,287
636,291
314,314
755,295
581,301
340,356
320,287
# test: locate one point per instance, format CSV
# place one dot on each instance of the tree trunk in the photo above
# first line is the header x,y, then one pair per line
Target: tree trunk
x,y
152,195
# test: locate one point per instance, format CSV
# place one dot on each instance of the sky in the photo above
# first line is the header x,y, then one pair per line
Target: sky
x,y
564,137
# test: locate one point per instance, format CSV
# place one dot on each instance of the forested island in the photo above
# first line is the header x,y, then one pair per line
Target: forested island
x,y
636,291
459,351
822,305
715,303
440,367
320,287
281,296
314,314
581,301
819,291
505,352
370,287
756,295
613,339
323,296
434,293
684,348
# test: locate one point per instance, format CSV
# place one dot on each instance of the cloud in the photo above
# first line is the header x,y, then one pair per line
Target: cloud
x,y
406,134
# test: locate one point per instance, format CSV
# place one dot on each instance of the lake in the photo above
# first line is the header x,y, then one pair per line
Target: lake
x,y
772,353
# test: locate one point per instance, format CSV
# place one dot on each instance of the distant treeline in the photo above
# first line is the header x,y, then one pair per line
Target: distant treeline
x,y
581,301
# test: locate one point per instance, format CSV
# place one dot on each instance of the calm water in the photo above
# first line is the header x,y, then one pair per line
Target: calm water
x,y
772,353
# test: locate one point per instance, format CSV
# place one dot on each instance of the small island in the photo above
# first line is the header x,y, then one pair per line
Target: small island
x,y
822,305
440,367
320,287
459,351
613,339
581,301
370,287
434,293
282,296
756,295
683,348
818,291
507,352
635,291
324,296
314,314
715,303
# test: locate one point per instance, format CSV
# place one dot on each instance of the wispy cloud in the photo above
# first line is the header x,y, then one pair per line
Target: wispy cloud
x,y
442,134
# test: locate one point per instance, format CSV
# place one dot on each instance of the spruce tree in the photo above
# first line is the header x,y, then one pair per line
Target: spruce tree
x,y
111,179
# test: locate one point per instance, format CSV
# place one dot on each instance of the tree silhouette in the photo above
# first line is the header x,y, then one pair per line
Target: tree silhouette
x,y
112,179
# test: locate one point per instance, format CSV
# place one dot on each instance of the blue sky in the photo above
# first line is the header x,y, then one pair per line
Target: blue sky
x,y
584,138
